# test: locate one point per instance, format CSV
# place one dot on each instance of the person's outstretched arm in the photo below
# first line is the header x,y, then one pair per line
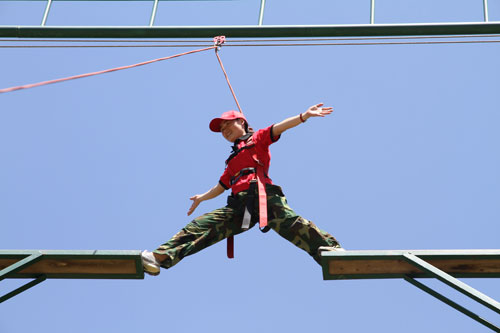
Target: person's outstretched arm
x,y
314,111
210,194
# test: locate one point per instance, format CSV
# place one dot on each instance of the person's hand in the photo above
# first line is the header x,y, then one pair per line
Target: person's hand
x,y
317,111
196,201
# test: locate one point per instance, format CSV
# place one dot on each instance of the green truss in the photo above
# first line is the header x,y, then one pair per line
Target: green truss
x,y
90,264
444,265
259,30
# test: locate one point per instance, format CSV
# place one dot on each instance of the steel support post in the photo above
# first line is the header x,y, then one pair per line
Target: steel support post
x,y
46,13
452,282
372,12
485,10
261,12
153,13
452,304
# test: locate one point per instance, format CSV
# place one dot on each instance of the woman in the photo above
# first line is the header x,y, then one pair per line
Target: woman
x,y
254,197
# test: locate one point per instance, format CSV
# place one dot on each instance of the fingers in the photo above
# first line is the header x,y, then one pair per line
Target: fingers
x,y
320,106
195,204
192,208
319,111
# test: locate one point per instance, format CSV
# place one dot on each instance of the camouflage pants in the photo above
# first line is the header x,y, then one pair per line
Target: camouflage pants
x,y
221,223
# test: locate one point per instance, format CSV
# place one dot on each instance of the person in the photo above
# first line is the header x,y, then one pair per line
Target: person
x,y
254,197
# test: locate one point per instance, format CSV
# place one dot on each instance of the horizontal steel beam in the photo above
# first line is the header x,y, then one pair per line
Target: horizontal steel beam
x,y
251,31
127,0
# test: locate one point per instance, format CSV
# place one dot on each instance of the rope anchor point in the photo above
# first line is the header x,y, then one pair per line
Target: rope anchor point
x,y
218,41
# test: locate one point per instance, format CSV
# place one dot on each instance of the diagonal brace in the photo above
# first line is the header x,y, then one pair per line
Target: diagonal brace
x,y
452,282
33,258
452,303
19,290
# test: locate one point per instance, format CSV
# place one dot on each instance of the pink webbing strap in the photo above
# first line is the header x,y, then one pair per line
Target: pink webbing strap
x,y
100,72
262,197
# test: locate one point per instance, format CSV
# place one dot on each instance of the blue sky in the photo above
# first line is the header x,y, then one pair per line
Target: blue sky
x,y
408,160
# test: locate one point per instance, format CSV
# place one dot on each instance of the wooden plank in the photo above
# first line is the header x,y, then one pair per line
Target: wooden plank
x,y
78,264
390,264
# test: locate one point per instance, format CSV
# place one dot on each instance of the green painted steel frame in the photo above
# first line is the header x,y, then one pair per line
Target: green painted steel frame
x,y
399,254
27,258
78,254
458,285
25,287
416,258
454,305
251,31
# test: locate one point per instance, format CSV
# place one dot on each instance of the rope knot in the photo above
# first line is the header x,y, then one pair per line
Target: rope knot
x,y
219,40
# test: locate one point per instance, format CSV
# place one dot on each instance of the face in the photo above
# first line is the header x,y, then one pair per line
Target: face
x,y
232,129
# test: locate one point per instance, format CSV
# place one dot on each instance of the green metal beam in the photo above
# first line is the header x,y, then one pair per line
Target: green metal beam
x,y
32,257
454,305
56,264
385,264
251,31
452,282
126,0
420,263
23,288
71,264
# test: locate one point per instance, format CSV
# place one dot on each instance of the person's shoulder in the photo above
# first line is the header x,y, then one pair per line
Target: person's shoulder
x,y
264,135
262,131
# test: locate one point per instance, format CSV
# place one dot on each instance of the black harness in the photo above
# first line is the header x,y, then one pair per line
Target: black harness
x,y
235,150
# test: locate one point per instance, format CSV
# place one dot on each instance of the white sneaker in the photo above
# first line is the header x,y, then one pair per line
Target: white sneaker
x,y
149,263
330,248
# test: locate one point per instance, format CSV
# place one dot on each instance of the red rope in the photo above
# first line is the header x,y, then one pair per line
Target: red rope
x,y
100,72
227,79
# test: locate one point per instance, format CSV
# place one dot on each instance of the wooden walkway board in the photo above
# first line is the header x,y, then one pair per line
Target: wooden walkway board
x,y
89,264
391,264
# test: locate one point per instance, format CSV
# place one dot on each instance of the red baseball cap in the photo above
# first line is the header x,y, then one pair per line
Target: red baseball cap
x,y
228,115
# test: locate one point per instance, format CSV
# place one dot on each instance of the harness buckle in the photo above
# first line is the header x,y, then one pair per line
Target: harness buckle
x,y
241,173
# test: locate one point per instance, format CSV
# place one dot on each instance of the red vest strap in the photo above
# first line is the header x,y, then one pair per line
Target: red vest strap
x,y
262,197
262,191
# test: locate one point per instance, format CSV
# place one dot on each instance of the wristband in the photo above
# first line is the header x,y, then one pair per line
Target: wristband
x,y
302,119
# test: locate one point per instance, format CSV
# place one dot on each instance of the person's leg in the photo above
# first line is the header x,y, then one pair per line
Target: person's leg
x,y
200,233
296,229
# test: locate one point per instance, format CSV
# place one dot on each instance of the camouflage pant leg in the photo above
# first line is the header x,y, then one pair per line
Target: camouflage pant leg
x,y
296,229
200,233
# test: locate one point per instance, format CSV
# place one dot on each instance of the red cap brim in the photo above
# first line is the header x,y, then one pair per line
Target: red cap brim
x,y
215,124
229,115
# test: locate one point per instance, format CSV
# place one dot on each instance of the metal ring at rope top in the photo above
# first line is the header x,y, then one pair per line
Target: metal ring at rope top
x,y
218,41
